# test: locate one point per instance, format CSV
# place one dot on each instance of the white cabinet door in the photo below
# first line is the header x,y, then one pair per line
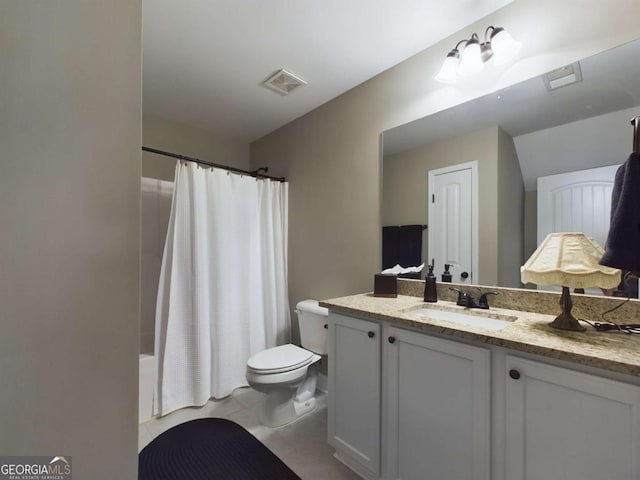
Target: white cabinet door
x,y
437,408
562,424
354,391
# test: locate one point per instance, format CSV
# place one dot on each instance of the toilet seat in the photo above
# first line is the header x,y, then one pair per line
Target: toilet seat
x,y
283,358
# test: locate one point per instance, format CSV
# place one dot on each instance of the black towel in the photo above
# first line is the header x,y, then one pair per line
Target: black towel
x,y
623,241
390,239
402,246
410,246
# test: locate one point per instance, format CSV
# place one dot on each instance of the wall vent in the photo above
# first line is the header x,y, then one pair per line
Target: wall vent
x,y
561,77
283,82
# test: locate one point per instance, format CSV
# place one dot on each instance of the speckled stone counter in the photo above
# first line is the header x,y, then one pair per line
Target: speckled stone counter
x,y
616,352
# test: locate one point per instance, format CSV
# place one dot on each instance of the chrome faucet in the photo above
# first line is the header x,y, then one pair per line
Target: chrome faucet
x,y
466,300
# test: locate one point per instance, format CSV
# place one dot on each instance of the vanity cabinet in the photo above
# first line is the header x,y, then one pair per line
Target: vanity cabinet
x,y
434,411
409,405
563,424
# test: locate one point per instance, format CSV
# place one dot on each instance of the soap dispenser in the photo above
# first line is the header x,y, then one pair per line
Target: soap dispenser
x,y
446,275
430,291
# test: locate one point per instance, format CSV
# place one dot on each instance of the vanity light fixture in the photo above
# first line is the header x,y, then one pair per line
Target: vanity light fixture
x,y
498,45
570,260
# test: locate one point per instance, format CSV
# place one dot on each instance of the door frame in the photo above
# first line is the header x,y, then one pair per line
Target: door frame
x,y
473,166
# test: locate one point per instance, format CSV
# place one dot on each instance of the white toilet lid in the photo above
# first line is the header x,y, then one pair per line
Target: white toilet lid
x,y
280,359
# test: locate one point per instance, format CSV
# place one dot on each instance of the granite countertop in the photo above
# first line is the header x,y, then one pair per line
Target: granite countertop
x,y
616,352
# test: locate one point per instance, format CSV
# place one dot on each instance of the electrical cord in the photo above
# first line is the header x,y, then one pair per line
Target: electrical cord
x,y
607,326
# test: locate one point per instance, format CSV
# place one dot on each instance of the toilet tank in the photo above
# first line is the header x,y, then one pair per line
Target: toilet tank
x,y
312,320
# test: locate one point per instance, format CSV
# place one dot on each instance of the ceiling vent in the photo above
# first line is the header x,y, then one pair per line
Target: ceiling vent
x,y
562,77
283,82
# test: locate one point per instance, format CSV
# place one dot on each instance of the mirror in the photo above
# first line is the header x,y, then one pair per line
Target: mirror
x,y
541,132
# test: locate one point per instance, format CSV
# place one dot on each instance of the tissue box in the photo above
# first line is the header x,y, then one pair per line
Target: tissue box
x,y
385,285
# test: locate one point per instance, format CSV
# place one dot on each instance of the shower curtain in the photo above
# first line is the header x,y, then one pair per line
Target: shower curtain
x,y
223,293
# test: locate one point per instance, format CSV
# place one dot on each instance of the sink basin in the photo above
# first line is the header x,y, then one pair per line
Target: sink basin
x,y
487,321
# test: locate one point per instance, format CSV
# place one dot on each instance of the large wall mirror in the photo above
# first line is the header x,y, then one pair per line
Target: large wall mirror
x,y
572,120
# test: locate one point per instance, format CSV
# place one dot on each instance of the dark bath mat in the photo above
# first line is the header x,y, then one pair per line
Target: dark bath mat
x,y
211,449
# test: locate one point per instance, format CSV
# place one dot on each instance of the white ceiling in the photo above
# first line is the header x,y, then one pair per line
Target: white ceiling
x,y
204,60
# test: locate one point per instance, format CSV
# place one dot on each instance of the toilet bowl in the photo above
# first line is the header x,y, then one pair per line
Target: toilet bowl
x,y
287,374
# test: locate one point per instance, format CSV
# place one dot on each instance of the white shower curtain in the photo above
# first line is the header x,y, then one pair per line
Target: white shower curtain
x,y
223,285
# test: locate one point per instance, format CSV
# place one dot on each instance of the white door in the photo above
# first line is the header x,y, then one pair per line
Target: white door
x,y
437,408
576,202
354,392
566,425
452,221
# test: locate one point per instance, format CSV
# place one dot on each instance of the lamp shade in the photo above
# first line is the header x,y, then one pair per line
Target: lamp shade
x,y
570,260
448,72
504,46
471,59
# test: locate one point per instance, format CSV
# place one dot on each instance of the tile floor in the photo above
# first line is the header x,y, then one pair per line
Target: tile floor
x,y
302,445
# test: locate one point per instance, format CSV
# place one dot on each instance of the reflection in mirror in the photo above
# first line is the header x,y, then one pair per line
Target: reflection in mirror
x,y
572,120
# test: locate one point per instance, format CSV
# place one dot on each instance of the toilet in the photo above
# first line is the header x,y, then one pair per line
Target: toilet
x,y
287,374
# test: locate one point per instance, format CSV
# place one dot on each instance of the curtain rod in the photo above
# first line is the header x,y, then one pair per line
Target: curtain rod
x,y
255,173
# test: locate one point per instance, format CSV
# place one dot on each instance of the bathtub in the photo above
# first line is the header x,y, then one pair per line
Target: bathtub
x,y
147,383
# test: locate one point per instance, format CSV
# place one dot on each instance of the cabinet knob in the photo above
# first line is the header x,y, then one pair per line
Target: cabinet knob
x,y
392,339
371,334
515,374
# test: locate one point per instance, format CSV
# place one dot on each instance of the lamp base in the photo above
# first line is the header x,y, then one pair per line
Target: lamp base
x,y
566,321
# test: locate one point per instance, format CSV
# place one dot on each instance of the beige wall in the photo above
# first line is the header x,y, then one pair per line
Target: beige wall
x,y
487,218
69,236
182,139
405,188
530,223
331,160
331,156
510,213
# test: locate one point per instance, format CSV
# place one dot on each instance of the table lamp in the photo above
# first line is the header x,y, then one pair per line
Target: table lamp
x,y
571,261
